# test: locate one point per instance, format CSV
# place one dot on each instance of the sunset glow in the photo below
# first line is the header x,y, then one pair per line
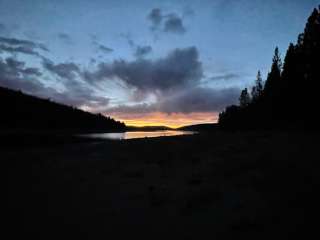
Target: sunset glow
x,y
173,120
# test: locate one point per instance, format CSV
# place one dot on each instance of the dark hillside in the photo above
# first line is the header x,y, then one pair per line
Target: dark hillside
x,y
22,112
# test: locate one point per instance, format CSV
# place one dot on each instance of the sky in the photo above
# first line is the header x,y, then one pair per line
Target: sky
x,y
144,62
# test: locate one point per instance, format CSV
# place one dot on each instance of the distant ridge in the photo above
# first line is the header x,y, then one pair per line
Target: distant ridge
x,y
23,112
205,127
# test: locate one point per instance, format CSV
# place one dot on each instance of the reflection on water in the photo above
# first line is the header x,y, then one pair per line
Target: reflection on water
x,y
131,135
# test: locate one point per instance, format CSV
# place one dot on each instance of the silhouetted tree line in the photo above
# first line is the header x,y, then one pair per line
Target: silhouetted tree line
x,y
19,111
290,95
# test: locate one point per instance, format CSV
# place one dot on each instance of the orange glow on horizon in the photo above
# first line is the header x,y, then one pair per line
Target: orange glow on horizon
x,y
173,120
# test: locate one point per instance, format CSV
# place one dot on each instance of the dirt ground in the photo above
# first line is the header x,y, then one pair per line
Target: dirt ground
x,y
222,184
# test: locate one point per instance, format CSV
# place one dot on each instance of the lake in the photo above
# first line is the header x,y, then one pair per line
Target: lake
x,y
137,134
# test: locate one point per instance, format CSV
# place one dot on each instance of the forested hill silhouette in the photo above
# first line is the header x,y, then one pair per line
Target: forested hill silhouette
x,y
290,95
22,112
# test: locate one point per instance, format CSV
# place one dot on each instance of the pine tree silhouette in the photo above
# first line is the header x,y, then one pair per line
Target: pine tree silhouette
x,y
257,89
290,95
273,80
244,98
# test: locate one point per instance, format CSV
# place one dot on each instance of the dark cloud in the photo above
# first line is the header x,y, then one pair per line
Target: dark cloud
x,y
100,46
23,43
142,51
32,71
156,17
128,38
14,74
13,45
181,68
188,101
174,79
227,76
66,38
79,96
14,64
76,92
20,49
105,49
169,23
66,70
139,50
199,100
174,24
93,61
132,109
12,67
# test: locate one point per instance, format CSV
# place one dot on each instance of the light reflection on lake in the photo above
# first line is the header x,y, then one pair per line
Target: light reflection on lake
x,y
137,134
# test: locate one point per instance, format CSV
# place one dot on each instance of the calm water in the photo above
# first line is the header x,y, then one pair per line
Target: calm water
x,y
131,135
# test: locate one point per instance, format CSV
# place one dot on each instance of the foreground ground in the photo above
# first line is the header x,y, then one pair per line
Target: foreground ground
x,y
221,184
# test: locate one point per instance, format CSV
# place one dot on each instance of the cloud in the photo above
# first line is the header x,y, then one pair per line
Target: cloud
x,y
66,70
139,50
133,109
193,100
100,46
105,49
199,100
66,38
142,51
13,45
32,71
20,49
25,43
174,80
12,67
85,99
168,23
14,74
181,68
76,92
156,17
174,24
128,38
227,76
